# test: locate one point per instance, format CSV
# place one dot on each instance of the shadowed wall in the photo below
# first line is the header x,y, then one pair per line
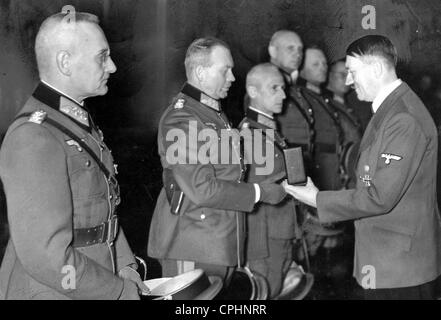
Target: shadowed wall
x,y
148,41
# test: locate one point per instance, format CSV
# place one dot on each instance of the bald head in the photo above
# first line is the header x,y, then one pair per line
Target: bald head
x,y
73,55
286,50
260,72
57,33
265,87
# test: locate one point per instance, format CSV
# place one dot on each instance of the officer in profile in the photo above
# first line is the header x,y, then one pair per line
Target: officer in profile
x,y
199,217
329,133
272,229
296,121
335,96
59,177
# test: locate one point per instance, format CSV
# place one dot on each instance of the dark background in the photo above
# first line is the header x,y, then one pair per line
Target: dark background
x,y
148,40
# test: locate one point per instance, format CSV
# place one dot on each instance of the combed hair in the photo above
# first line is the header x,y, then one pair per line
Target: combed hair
x,y
199,51
374,45
51,25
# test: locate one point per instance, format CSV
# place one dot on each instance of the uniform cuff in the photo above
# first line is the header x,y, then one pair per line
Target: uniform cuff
x,y
257,189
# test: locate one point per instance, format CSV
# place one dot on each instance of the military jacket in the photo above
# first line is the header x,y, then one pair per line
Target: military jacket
x,y
266,221
349,121
297,120
352,130
328,141
52,187
207,167
397,223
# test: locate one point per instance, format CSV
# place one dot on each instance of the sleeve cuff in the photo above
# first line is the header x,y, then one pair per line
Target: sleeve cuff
x,y
257,189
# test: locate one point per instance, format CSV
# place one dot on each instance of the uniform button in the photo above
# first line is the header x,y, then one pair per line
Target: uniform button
x,y
277,155
202,216
80,149
310,110
88,163
111,197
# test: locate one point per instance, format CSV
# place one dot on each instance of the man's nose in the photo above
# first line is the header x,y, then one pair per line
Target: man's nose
x,y
283,94
230,76
110,67
349,79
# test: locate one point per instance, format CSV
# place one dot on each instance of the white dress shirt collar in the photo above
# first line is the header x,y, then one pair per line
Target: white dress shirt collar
x,y
384,93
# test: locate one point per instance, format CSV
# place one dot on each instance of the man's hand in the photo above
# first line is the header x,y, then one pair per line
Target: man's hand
x,y
271,193
130,291
131,274
306,194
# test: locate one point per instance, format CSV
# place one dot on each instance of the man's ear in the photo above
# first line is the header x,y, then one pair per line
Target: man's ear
x,y
64,62
272,52
252,91
378,68
199,73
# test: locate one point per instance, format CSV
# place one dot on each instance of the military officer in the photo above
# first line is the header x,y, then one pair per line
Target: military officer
x,y
397,223
329,133
198,221
296,121
59,177
271,228
335,95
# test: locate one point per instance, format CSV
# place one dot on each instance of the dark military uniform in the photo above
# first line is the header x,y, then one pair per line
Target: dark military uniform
x,y
205,229
352,130
61,207
329,139
271,228
296,122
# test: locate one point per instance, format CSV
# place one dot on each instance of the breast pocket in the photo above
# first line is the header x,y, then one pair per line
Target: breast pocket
x,y
86,179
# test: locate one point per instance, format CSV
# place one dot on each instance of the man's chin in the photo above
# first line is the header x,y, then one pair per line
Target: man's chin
x,y
103,91
223,94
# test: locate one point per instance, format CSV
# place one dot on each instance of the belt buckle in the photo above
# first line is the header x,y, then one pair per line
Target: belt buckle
x,y
111,229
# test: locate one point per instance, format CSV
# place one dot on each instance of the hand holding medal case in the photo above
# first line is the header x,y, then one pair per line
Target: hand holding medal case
x,y
295,168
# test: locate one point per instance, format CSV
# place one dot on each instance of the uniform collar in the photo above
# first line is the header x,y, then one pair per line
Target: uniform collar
x,y
62,93
384,92
289,78
63,103
258,120
261,117
203,98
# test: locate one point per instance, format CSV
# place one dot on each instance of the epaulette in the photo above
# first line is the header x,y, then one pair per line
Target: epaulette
x,y
38,117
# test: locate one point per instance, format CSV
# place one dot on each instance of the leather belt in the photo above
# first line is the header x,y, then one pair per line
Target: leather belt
x,y
105,232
